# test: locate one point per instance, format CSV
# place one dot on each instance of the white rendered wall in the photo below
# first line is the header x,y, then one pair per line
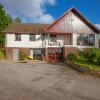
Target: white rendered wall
x,y
24,43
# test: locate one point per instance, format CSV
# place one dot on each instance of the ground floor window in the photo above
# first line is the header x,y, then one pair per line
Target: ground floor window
x,y
37,54
86,39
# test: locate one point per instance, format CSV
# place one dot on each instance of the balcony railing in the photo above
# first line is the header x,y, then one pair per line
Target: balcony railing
x,y
52,44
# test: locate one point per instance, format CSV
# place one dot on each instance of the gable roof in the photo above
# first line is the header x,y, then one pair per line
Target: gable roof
x,y
34,28
76,11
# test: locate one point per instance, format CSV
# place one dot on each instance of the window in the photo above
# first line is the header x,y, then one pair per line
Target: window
x,y
85,39
91,39
32,37
17,37
79,39
53,38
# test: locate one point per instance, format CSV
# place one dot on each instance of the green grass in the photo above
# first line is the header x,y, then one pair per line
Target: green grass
x,y
88,64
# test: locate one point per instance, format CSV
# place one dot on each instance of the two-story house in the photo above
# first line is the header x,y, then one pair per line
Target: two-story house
x,y
69,33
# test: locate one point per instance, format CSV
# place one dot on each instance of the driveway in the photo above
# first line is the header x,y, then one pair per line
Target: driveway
x,y
42,81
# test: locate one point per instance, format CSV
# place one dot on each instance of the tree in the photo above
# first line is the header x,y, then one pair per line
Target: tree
x,y
17,20
9,18
3,23
5,20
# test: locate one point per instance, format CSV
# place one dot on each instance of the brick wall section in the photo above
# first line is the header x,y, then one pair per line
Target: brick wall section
x,y
68,50
9,52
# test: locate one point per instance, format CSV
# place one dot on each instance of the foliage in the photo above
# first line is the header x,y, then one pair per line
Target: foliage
x,y
2,54
88,57
5,20
30,57
22,55
17,20
92,55
88,64
71,57
9,19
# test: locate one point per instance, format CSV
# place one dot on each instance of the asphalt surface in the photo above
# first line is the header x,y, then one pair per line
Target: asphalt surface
x,y
42,81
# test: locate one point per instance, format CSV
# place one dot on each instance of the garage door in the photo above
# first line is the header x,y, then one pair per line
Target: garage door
x,y
15,54
55,55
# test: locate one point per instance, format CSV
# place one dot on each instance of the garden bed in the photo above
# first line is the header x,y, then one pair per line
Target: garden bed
x,y
86,61
84,69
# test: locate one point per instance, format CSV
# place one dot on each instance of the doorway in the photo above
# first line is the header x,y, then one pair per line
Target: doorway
x,y
15,54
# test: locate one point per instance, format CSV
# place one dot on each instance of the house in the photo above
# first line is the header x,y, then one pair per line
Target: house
x,y
69,33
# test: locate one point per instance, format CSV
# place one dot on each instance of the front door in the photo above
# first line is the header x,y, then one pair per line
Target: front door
x,y
15,54
55,55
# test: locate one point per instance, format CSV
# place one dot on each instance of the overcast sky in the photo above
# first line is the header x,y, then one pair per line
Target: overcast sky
x,y
46,11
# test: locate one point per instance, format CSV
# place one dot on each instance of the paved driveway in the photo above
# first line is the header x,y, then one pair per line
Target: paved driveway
x,y
41,81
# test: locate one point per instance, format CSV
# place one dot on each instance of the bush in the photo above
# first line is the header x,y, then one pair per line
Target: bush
x,y
71,57
91,55
94,55
2,54
98,60
84,53
22,56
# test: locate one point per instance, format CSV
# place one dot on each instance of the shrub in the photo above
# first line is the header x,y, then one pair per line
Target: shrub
x,y
71,57
92,55
84,53
22,56
2,54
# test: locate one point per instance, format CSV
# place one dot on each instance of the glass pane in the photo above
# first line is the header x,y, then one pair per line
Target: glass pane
x,y
18,37
79,39
85,39
32,37
91,39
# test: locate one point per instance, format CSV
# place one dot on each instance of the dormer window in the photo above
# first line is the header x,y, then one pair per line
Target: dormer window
x,y
32,37
17,37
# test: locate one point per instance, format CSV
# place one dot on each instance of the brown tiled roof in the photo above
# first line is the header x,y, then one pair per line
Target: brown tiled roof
x,y
26,28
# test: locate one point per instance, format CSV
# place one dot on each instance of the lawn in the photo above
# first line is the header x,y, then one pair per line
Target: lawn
x,y
88,64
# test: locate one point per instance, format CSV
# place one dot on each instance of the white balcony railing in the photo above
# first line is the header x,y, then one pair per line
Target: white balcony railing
x,y
52,44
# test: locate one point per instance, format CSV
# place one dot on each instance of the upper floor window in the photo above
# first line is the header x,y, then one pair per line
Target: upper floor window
x,y
32,37
17,37
53,38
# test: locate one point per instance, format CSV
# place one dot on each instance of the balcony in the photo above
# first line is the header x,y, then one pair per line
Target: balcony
x,y
53,44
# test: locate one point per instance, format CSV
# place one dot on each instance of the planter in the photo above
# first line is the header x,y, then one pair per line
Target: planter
x,y
83,69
